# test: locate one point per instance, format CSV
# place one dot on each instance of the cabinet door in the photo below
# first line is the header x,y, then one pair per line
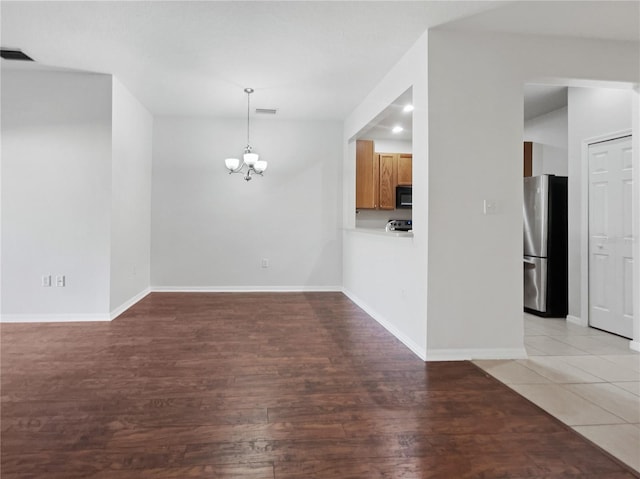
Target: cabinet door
x,y
387,181
405,165
366,175
528,158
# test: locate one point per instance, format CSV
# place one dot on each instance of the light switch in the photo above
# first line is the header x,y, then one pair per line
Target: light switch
x,y
490,207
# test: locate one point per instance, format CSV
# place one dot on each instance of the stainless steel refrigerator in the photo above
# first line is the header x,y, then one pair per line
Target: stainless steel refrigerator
x,y
545,245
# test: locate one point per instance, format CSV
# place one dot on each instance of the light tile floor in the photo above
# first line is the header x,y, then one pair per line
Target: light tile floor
x,y
587,378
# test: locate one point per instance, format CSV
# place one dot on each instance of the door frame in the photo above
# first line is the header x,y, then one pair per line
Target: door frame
x,y
584,230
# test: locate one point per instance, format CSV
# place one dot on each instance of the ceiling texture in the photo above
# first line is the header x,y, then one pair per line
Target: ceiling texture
x,y
307,59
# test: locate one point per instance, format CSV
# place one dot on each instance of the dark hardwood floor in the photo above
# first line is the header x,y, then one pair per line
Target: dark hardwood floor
x,y
253,386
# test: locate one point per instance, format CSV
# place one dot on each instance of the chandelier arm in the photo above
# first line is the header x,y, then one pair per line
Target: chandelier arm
x,y
238,169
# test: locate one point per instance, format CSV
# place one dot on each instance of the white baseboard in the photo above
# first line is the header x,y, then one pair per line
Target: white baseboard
x,y
469,354
127,304
246,289
408,342
53,318
635,345
576,320
73,318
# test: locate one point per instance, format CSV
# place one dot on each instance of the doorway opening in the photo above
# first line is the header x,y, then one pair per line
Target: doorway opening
x,y
562,141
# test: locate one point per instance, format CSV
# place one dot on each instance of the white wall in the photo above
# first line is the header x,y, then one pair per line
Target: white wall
x,y
593,112
549,133
387,276
392,146
130,199
475,265
210,229
56,179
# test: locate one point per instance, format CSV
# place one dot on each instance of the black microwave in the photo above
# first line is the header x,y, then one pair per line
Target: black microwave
x,y
403,197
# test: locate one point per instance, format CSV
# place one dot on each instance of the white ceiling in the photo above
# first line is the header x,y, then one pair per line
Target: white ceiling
x,y
542,99
605,20
381,127
307,59
538,100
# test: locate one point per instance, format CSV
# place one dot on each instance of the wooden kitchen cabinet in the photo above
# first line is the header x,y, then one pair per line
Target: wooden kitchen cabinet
x,y
528,158
378,174
405,169
367,176
388,183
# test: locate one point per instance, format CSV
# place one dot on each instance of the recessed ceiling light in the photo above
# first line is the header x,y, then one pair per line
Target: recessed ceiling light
x,y
397,129
407,108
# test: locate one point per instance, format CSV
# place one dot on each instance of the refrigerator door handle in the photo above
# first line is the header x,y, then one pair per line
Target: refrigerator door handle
x,y
535,283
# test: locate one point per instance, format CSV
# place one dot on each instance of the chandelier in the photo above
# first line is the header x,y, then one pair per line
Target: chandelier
x,y
250,163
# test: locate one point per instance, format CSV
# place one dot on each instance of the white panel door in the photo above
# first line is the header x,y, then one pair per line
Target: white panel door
x,y
611,236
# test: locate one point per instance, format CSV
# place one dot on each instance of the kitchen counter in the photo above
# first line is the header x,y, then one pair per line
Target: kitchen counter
x,y
383,232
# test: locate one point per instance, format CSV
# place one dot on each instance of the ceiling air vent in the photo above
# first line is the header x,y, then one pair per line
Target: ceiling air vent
x,y
14,55
266,111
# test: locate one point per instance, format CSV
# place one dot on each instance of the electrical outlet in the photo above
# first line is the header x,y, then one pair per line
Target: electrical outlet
x,y
46,280
265,262
60,281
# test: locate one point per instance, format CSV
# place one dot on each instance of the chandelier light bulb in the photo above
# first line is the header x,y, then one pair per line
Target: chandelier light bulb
x,y
260,166
250,158
232,163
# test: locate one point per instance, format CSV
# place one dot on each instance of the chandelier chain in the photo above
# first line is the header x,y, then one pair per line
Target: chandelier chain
x,y
248,111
